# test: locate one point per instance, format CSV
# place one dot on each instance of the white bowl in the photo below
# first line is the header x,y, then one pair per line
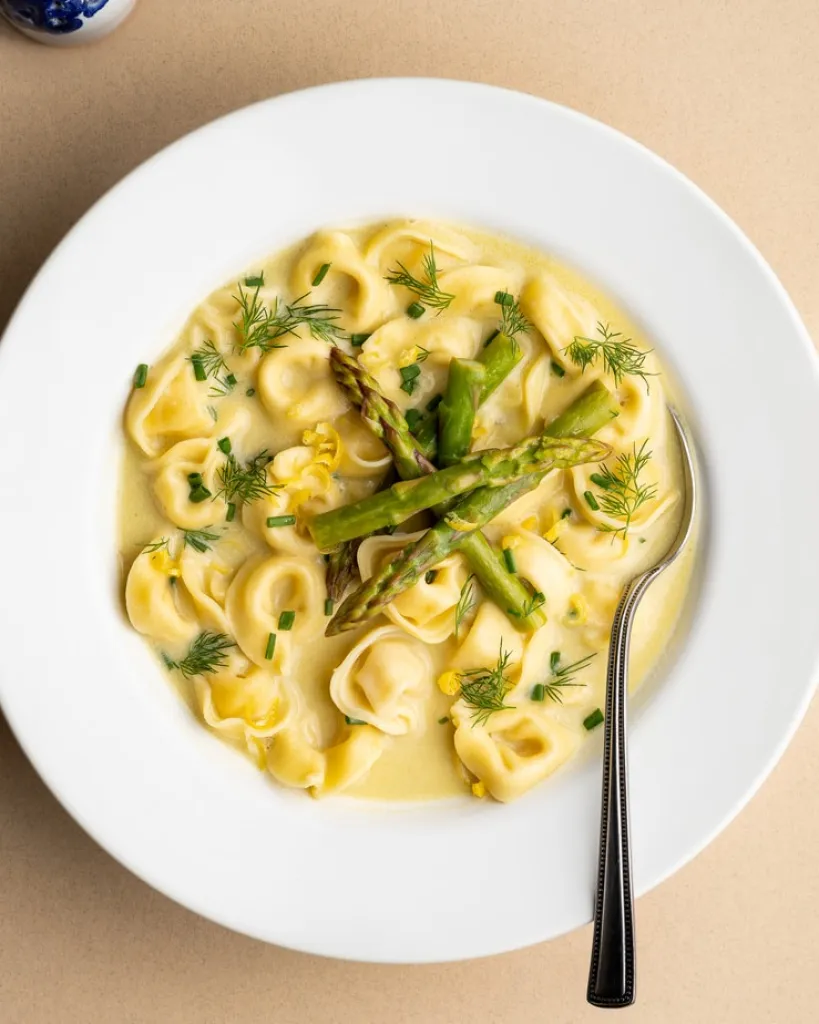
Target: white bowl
x,y
100,722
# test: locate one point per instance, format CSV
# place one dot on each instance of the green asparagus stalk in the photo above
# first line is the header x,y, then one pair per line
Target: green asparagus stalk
x,y
490,468
426,434
456,413
380,414
470,513
385,420
499,358
342,570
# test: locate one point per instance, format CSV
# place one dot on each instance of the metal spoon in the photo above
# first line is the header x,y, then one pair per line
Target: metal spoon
x,y
612,970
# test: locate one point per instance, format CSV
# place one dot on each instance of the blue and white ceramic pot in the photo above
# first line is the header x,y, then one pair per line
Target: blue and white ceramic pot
x,y
65,22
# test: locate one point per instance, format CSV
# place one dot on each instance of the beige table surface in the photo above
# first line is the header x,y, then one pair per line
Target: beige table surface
x,y
728,91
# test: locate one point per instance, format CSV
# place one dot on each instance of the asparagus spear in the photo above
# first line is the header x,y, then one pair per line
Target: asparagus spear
x,y
380,414
385,420
499,358
342,569
426,434
456,413
491,468
470,513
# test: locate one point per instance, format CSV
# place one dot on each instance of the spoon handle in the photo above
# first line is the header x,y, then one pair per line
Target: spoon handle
x,y
612,970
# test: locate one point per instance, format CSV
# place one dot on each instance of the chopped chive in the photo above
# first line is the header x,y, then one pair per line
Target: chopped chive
x,y
230,515
224,445
413,418
600,480
509,560
199,494
328,607
255,281
593,720
557,369
141,375
538,692
271,647
286,620
198,368
250,392
504,299
357,340
444,720
491,338
354,721
566,513
554,661
322,273
434,402
231,381
194,479
591,501
429,575
281,521
410,372
642,540
415,309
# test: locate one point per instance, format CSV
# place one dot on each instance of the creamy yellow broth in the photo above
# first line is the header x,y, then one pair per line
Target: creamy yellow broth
x,y
280,710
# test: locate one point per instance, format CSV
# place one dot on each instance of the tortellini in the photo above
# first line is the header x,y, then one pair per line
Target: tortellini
x,y
261,591
172,406
383,681
172,484
426,610
365,296
153,601
490,632
475,288
297,385
295,761
514,750
407,242
247,705
206,576
559,315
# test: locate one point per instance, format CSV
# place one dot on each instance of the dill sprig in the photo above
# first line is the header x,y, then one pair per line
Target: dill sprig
x,y
619,356
484,689
513,322
466,602
261,327
621,491
206,654
210,359
563,676
536,601
199,540
212,364
245,482
157,545
427,288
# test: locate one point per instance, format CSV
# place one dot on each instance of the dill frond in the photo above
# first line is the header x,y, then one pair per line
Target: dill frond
x,y
619,356
426,288
563,676
466,602
484,690
247,482
199,540
206,654
621,491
